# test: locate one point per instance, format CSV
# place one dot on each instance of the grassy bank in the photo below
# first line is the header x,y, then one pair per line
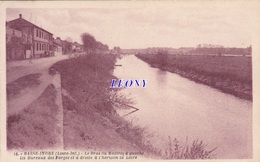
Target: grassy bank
x,y
16,87
90,120
34,127
232,75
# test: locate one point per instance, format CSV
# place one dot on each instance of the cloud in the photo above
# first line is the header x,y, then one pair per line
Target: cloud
x,y
140,27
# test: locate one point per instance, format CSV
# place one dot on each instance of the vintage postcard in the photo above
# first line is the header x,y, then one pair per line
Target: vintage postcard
x,y
129,81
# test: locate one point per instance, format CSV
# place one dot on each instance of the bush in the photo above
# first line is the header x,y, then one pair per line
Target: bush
x,y
162,57
196,151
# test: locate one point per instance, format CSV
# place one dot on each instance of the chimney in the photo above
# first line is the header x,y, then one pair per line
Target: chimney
x,y
20,16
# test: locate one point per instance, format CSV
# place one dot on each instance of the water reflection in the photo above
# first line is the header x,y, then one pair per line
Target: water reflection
x,y
177,107
161,77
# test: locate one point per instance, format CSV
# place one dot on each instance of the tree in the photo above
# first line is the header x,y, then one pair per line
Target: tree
x,y
117,50
162,57
89,42
67,45
15,49
106,48
69,39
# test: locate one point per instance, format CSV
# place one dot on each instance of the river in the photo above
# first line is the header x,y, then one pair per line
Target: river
x,y
174,106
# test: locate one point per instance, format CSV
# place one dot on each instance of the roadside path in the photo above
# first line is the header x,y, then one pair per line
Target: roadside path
x,y
17,69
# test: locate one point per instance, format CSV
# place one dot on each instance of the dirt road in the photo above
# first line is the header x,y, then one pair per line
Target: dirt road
x,y
17,69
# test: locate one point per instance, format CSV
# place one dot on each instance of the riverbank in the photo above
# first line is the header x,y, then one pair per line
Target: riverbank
x,y
33,127
232,75
90,120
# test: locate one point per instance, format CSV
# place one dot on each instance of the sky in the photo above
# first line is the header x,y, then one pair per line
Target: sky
x,y
143,27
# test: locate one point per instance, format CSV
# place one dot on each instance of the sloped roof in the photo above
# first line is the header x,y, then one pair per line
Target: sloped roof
x,y
20,22
57,42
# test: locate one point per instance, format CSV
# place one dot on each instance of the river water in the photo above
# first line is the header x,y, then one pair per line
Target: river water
x,y
174,106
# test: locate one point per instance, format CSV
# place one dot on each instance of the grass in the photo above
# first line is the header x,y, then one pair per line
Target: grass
x,y
87,79
197,150
29,81
231,75
90,120
237,67
33,128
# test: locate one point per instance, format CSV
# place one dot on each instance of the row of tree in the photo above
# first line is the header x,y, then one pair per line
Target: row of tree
x,y
91,45
222,50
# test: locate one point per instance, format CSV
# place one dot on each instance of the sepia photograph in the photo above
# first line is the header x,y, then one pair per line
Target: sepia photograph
x,y
132,81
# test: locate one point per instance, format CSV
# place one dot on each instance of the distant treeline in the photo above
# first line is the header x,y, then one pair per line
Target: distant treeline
x,y
221,50
192,50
